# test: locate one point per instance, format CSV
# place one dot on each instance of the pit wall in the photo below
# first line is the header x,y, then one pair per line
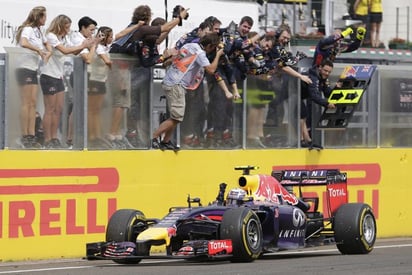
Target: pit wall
x,y
53,202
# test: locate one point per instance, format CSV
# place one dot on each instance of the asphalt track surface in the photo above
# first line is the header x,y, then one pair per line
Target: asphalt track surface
x,y
390,256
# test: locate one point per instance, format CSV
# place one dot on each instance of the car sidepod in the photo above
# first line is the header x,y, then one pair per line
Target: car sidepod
x,y
292,223
354,227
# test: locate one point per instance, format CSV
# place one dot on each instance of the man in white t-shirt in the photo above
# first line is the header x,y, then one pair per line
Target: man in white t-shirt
x,y
184,74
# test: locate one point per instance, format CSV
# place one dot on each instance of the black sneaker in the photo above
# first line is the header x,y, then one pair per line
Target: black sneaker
x,y
48,144
168,146
305,144
155,143
33,142
56,143
316,146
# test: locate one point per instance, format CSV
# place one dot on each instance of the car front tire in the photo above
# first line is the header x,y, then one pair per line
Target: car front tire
x,y
243,227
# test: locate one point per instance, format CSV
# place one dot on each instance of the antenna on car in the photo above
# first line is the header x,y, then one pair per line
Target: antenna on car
x,y
246,169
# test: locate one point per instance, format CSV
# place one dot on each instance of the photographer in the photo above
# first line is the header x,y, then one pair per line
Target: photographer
x,y
277,115
128,39
220,107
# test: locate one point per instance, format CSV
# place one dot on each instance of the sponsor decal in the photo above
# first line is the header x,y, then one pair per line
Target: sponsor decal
x,y
298,218
50,217
219,247
360,175
271,189
292,233
313,174
171,231
37,181
349,71
341,192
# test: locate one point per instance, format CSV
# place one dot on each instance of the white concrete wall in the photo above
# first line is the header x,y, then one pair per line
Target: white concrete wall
x,y
389,19
117,14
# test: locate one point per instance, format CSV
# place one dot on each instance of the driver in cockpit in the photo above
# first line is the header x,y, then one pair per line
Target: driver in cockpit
x,y
236,196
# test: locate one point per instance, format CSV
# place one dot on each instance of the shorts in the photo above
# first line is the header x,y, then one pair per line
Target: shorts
x,y
176,101
51,85
26,77
375,17
363,18
121,98
96,87
303,109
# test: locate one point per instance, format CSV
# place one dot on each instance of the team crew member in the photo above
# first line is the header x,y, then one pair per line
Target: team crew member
x,y
331,46
318,91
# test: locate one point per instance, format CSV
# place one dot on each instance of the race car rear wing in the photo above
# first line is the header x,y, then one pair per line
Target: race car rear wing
x,y
309,177
334,181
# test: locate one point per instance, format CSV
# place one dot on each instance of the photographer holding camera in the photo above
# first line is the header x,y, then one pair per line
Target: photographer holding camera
x,y
128,41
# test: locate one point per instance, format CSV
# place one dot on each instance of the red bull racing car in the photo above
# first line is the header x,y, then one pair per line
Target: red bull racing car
x,y
263,214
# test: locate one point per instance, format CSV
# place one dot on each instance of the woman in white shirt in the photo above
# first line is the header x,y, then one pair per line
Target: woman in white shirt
x,y
98,71
51,78
31,37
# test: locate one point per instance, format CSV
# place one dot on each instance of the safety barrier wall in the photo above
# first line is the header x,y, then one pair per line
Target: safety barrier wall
x,y
54,202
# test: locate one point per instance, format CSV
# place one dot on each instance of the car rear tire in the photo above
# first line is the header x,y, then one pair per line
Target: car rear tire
x,y
121,228
243,227
355,228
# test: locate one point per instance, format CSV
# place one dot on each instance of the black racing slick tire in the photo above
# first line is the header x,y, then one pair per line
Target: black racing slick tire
x,y
354,225
243,227
121,228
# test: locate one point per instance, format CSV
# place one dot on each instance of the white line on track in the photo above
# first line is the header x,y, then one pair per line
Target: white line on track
x,y
45,269
167,261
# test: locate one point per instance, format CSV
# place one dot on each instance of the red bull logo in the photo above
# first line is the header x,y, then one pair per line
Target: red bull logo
x,y
349,71
272,190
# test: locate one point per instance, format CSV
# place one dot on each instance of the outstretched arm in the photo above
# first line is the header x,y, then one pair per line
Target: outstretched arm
x,y
128,30
294,73
171,24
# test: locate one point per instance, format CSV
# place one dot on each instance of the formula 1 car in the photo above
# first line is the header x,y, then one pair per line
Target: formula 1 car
x,y
261,215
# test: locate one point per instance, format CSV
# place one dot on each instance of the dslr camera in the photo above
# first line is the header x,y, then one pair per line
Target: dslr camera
x,y
176,13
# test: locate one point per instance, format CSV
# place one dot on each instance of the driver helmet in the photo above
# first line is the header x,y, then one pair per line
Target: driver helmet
x,y
235,196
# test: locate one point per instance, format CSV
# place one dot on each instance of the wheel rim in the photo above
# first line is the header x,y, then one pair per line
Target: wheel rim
x,y
252,230
369,228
